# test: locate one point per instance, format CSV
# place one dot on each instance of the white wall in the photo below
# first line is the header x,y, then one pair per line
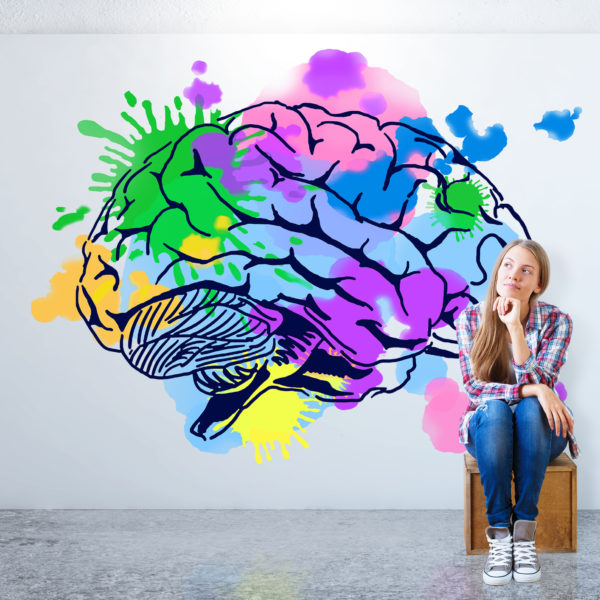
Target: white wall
x,y
309,16
65,448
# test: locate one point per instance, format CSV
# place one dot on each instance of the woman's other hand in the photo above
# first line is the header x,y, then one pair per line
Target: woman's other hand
x,y
558,416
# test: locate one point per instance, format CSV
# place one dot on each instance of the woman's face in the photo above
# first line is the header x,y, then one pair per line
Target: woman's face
x,y
519,274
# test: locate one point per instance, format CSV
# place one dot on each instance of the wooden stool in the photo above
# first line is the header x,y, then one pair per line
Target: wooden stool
x,y
557,518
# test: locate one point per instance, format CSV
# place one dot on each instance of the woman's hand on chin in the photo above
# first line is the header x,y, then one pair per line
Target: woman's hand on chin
x,y
509,310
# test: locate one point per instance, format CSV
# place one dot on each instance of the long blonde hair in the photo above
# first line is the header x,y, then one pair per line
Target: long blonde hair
x,y
490,355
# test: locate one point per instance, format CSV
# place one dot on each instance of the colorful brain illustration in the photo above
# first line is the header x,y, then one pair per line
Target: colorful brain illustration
x,y
311,250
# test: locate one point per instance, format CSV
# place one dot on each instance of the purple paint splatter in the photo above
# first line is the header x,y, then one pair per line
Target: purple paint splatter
x,y
202,93
374,104
331,71
561,390
199,67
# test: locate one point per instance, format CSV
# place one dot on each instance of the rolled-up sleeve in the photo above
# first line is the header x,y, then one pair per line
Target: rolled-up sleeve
x,y
479,391
544,366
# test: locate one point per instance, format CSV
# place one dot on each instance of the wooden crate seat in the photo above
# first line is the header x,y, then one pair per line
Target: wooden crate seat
x,y
557,518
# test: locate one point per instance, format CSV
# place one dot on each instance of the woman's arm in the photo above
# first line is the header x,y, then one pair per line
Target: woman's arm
x,y
521,351
559,418
551,355
543,365
478,390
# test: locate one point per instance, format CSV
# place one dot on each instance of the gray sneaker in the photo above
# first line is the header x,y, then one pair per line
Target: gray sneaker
x,y
526,564
498,568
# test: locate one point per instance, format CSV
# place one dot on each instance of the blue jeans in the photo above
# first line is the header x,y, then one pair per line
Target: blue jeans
x,y
503,442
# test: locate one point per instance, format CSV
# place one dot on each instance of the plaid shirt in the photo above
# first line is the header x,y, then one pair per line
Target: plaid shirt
x,y
547,333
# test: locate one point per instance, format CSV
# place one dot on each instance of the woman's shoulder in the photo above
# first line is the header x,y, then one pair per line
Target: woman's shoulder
x,y
548,309
472,311
549,314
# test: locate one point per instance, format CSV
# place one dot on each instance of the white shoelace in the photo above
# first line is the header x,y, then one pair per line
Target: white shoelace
x,y
500,552
525,553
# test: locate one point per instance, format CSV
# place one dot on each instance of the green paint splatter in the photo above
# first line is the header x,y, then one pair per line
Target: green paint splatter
x,y
235,272
178,274
464,199
134,151
136,254
139,200
296,241
60,209
131,99
292,278
70,218
249,137
117,252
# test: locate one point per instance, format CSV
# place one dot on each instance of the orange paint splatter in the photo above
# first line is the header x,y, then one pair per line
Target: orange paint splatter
x,y
102,287
145,290
60,301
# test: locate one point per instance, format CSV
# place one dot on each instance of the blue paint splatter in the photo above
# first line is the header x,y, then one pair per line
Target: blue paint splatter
x,y
428,368
559,123
476,147
185,394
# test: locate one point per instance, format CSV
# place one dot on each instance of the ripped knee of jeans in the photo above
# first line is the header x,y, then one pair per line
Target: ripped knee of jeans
x,y
496,409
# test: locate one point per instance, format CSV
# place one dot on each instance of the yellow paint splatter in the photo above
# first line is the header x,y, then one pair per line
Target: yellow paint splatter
x,y
335,381
275,417
200,247
261,583
222,223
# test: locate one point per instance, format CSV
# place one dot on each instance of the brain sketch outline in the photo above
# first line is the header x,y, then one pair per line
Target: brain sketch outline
x,y
303,252
284,180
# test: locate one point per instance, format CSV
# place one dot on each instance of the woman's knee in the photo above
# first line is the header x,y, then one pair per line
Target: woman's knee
x,y
497,411
529,410
493,427
532,432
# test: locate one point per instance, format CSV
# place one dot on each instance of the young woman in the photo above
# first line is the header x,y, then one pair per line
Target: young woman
x,y
511,349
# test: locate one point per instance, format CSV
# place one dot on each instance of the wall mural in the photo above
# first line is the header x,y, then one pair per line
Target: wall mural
x,y
306,252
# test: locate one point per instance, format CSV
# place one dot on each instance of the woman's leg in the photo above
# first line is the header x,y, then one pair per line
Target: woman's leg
x,y
535,444
558,445
491,443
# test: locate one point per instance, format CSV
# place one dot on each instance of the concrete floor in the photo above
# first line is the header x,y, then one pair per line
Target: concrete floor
x,y
266,554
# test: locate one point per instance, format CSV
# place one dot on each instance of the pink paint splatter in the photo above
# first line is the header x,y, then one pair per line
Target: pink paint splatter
x,y
348,90
445,405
